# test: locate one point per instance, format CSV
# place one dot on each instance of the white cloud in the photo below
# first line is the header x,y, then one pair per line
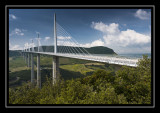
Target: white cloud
x,y
110,29
123,38
63,37
141,14
15,47
133,37
16,31
47,38
76,44
13,17
66,43
94,43
26,44
116,39
29,45
37,38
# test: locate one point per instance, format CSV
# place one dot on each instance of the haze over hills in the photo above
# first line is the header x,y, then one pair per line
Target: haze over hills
x,y
92,50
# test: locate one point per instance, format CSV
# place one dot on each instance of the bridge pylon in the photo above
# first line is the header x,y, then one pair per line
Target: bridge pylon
x,y
29,60
55,63
55,35
56,74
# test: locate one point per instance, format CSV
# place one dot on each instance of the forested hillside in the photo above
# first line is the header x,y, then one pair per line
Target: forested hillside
x,y
126,86
92,50
14,53
100,50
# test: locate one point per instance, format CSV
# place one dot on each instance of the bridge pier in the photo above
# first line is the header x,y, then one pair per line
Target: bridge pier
x,y
29,60
23,56
32,69
26,58
38,72
56,74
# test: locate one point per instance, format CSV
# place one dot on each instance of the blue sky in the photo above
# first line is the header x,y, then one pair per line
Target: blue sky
x,y
123,30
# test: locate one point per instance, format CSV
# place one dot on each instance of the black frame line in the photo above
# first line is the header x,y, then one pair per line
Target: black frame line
x,y
152,7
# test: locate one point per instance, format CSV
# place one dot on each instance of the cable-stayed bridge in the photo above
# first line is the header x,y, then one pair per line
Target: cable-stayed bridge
x,y
102,59
65,46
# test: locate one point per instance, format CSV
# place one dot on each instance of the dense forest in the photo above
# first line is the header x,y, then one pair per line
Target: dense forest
x,y
127,85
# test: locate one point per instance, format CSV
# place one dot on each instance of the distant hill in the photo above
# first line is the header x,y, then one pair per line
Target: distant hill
x,y
92,50
14,53
100,50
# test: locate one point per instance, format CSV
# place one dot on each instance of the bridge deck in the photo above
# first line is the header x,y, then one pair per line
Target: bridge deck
x,y
103,59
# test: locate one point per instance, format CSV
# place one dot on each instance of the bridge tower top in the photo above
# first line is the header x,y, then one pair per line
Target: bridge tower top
x,y
55,35
38,42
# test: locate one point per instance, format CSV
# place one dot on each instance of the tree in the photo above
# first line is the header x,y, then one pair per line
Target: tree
x,y
135,83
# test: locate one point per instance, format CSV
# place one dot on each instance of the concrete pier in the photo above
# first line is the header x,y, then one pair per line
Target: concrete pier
x,y
56,74
32,70
38,72
23,55
29,63
26,58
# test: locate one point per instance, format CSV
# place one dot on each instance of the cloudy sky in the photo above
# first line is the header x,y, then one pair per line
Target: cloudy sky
x,y
123,30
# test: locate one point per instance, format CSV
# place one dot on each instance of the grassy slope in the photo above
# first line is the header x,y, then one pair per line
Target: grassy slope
x,y
77,68
15,63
